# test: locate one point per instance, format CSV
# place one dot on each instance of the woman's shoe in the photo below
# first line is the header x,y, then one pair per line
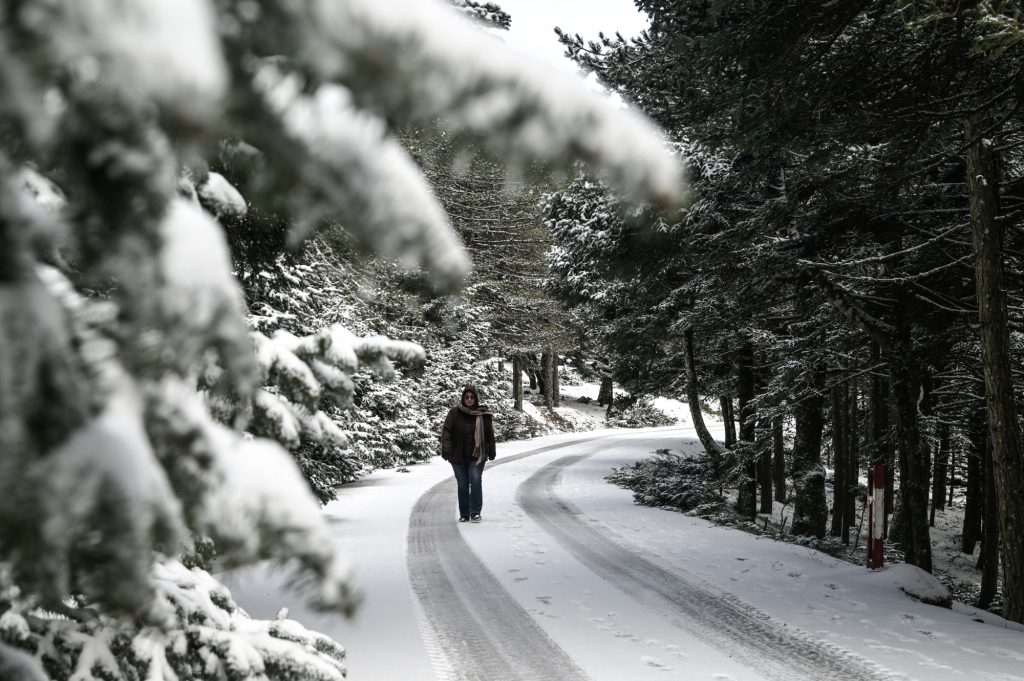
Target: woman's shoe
x,y
463,519
475,518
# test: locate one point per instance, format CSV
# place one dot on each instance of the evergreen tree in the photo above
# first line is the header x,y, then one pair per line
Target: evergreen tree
x,y
133,397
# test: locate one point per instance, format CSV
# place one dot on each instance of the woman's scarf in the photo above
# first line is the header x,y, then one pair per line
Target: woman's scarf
x,y
478,431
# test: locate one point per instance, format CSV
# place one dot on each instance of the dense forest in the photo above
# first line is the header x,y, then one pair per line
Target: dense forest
x,y
848,278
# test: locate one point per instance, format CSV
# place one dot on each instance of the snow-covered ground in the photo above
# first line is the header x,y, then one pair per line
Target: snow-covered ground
x,y
534,543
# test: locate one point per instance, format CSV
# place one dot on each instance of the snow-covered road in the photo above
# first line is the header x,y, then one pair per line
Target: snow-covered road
x,y
566,578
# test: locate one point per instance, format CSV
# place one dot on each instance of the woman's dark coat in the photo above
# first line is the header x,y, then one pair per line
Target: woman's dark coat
x,y
457,436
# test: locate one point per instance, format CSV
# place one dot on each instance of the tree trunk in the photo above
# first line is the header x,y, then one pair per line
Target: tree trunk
x,y
952,476
746,498
1008,466
810,508
974,488
764,477
606,394
839,463
852,458
532,373
912,534
517,382
556,391
939,476
728,421
711,446
988,561
548,386
779,457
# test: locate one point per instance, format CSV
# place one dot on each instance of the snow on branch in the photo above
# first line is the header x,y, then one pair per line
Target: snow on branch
x,y
488,13
363,177
420,62
193,631
135,49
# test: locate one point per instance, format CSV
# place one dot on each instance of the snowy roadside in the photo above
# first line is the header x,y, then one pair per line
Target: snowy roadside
x,y
839,603
370,521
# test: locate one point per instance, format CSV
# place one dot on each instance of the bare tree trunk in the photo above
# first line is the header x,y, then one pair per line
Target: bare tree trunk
x,y
853,460
764,476
711,446
974,488
952,476
547,362
606,394
839,463
556,392
517,382
988,561
779,458
728,420
810,509
746,499
939,476
912,534
997,360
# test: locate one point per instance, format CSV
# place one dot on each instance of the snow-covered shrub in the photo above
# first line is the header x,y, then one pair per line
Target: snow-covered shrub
x,y
670,481
641,413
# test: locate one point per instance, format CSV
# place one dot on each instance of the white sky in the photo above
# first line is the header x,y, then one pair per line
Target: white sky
x,y
533,23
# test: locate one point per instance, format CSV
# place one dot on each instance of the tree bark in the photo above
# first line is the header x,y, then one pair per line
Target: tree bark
x,y
764,477
974,487
517,382
810,508
939,475
996,357
779,457
988,561
711,446
746,498
727,420
606,394
840,464
912,534
556,390
852,458
548,386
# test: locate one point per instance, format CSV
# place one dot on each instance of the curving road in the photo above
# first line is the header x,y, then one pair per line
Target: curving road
x,y
475,630
743,633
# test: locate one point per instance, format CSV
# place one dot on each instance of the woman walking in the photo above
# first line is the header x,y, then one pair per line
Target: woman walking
x,y
467,443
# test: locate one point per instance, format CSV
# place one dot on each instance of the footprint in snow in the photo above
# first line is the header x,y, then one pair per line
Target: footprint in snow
x,y
546,600
653,662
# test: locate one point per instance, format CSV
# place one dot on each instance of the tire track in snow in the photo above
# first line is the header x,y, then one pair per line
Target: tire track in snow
x,y
475,631
750,637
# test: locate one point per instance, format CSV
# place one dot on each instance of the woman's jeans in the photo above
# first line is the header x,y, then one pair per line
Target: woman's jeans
x,y
471,495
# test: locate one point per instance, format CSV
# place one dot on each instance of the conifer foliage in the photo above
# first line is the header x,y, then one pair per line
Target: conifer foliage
x,y
141,419
856,233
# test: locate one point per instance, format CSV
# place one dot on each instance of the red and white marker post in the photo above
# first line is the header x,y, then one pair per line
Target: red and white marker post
x,y
876,516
